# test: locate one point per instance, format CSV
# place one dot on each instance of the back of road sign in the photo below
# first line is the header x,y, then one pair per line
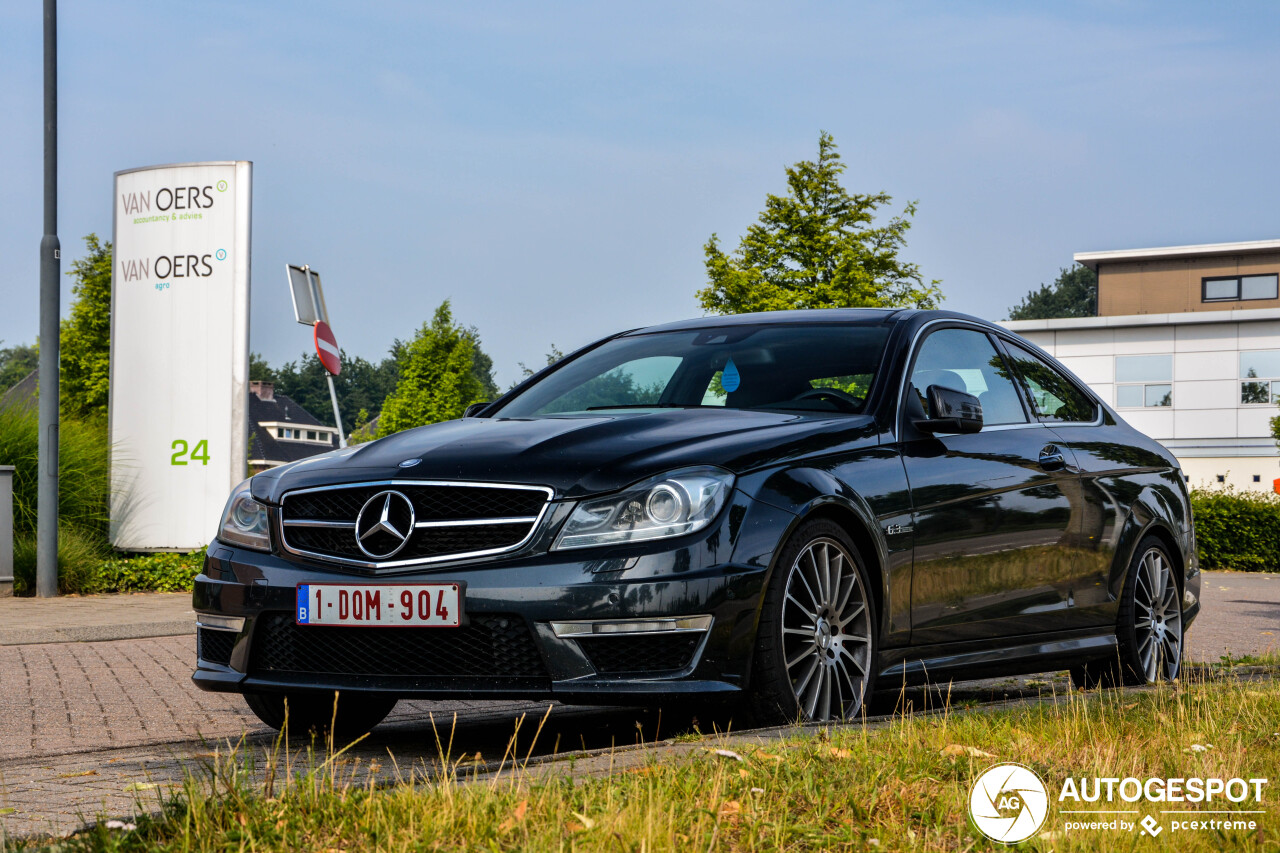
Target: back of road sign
x,y
308,295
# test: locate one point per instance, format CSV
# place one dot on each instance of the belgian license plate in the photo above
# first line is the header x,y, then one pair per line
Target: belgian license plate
x,y
416,605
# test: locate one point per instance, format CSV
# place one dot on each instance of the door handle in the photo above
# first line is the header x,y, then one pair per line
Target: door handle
x,y
1051,459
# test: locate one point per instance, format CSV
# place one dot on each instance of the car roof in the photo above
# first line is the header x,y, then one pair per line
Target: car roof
x,y
851,316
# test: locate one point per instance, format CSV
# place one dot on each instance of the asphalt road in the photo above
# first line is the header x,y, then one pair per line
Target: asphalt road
x,y
1240,615
84,724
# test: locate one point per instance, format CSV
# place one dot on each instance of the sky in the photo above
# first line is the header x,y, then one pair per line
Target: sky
x,y
554,169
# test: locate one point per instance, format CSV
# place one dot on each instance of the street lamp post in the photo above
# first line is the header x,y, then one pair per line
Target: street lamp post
x,y
50,266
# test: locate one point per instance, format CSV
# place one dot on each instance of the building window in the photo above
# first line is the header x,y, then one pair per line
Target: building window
x,y
1222,478
1144,380
1259,377
311,435
1239,288
1257,478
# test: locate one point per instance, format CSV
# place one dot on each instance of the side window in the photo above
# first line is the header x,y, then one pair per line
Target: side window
x,y
1054,397
966,360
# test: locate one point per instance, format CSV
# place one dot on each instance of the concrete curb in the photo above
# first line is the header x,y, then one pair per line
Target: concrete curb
x,y
96,633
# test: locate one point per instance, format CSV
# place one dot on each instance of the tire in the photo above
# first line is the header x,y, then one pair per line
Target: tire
x,y
357,713
1149,630
816,642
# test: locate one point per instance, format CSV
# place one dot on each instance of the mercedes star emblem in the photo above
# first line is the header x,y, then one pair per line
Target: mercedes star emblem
x,y
384,524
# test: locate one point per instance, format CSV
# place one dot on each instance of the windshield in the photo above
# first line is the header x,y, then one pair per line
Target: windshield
x,y
819,368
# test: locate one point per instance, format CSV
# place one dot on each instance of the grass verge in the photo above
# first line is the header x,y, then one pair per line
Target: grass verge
x,y
903,785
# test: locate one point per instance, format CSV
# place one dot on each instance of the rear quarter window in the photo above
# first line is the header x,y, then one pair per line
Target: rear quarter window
x,y
1054,397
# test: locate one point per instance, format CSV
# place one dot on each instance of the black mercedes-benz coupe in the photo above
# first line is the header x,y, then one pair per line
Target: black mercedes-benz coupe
x,y
786,507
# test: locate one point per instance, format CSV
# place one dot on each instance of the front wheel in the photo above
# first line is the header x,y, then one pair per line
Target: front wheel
x,y
815,648
1149,631
355,713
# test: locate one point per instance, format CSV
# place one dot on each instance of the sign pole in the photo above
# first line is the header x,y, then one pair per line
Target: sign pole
x,y
337,418
50,266
322,314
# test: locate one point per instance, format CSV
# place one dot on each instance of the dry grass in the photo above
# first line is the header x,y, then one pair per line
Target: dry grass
x,y
899,786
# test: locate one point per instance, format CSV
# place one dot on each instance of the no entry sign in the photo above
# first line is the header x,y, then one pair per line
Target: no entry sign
x,y
327,348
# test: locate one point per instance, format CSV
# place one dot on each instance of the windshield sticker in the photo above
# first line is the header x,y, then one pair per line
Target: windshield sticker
x,y
730,379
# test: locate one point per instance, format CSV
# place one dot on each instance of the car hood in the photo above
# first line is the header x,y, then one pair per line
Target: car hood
x,y
577,455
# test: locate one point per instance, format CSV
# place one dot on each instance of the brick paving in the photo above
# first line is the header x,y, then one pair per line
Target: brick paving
x,y
88,728
73,697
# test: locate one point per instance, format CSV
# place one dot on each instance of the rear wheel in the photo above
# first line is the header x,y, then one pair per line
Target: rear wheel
x,y
815,648
1149,626
355,714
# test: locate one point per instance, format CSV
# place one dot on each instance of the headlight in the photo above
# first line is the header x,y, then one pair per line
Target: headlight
x,y
681,502
244,521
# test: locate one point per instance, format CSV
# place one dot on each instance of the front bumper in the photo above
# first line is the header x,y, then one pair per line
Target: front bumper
x,y
509,606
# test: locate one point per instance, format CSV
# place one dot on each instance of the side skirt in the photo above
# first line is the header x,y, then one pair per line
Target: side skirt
x,y
984,659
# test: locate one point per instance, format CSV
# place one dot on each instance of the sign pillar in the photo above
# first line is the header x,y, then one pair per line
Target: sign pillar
x,y
179,351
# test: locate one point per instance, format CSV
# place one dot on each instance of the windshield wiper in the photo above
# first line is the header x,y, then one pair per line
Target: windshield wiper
x,y
650,406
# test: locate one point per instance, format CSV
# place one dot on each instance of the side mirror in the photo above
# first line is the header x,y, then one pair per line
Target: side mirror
x,y
951,411
474,409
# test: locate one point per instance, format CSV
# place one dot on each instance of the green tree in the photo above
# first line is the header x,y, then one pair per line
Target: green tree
x,y
260,370
361,386
86,334
16,362
1275,425
526,371
1074,293
442,371
817,247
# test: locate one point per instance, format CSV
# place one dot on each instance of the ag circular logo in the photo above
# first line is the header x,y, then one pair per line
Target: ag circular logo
x,y
384,524
1008,803
222,186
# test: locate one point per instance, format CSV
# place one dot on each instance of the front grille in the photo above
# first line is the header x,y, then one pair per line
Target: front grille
x,y
640,652
491,646
455,521
430,502
424,544
215,646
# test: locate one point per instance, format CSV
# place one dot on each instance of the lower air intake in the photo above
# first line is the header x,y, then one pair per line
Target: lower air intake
x,y
215,646
633,653
491,646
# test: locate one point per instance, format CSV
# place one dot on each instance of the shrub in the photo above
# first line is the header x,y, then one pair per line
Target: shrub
x,y
79,556
1237,530
84,485
83,491
148,572
86,566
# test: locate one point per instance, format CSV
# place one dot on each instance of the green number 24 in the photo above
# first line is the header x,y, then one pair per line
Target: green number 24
x,y
199,453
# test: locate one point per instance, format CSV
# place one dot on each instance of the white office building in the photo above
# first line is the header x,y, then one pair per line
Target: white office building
x,y
1204,379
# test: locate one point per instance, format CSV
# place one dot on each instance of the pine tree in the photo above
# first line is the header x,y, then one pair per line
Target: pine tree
x,y
817,247
442,371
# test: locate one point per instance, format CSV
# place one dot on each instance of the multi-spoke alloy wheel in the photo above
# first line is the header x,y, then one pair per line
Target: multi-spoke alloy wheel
x,y
1148,625
1157,617
816,646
